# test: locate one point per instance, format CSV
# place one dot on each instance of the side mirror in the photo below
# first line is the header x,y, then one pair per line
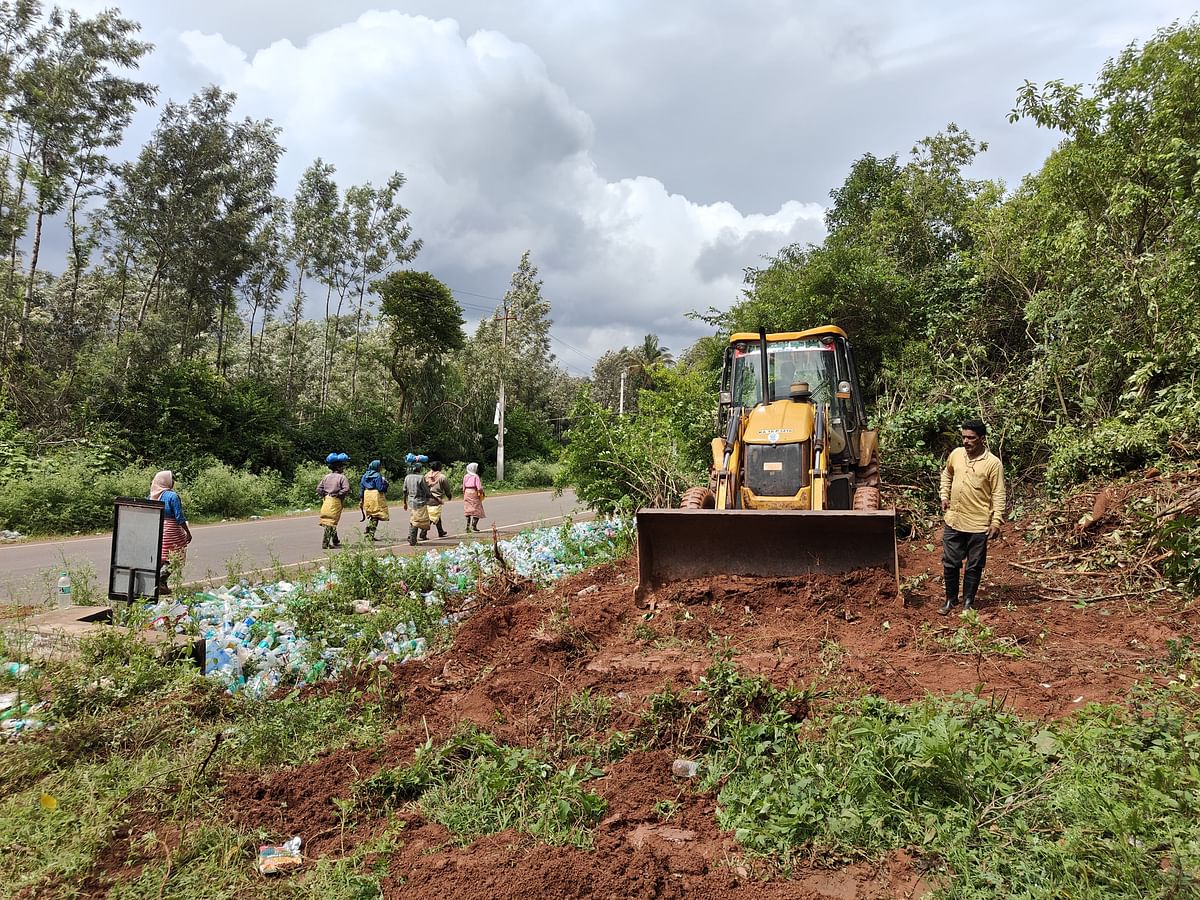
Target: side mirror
x,y
725,398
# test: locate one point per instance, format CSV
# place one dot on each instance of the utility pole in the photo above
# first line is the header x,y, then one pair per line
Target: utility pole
x,y
621,406
500,405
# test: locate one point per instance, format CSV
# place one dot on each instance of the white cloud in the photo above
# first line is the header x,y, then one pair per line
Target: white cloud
x,y
499,160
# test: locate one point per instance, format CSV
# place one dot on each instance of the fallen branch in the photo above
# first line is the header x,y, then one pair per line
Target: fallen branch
x,y
1122,595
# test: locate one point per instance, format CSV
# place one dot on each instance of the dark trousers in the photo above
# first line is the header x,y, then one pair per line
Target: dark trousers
x,y
957,546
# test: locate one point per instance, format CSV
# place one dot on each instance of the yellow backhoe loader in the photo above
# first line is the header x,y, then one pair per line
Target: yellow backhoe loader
x,y
794,484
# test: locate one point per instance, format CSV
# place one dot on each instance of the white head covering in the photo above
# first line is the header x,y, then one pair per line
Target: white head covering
x,y
472,468
163,482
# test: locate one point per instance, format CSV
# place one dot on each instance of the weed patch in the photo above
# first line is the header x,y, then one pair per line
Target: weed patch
x,y
1104,804
975,638
474,786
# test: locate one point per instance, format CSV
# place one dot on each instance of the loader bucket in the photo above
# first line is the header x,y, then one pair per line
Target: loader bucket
x,y
678,544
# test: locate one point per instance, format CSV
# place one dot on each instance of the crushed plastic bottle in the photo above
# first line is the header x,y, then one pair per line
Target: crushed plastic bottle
x,y
684,768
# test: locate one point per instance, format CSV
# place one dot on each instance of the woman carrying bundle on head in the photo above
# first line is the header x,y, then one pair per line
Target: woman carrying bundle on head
x,y
473,495
374,497
333,490
416,498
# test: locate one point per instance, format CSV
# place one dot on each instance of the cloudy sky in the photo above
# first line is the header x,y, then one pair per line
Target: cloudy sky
x,y
644,152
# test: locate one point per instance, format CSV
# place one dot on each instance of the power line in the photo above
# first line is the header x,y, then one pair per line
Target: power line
x,y
553,336
590,359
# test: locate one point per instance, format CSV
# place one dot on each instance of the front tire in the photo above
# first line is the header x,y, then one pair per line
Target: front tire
x,y
698,498
866,498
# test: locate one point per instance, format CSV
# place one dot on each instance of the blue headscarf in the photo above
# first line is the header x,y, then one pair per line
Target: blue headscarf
x,y
372,479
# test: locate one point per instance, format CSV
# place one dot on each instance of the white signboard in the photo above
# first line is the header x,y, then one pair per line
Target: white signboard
x,y
137,537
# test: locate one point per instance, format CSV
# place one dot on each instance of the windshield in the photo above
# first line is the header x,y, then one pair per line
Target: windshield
x,y
810,361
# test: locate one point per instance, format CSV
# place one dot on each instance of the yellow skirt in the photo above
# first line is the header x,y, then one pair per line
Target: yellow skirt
x,y
375,505
331,511
419,517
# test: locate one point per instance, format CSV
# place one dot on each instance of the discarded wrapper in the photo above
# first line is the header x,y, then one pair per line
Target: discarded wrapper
x,y
279,859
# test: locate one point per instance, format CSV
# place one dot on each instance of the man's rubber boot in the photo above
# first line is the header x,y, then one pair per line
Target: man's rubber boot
x,y
441,530
425,534
970,586
412,535
951,578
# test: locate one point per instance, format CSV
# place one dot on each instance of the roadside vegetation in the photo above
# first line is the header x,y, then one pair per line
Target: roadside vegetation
x,y
74,493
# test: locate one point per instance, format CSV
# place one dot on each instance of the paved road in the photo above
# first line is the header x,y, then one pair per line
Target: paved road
x,y
28,570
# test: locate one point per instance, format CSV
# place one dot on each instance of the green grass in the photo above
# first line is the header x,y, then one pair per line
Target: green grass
x,y
474,785
1105,804
136,738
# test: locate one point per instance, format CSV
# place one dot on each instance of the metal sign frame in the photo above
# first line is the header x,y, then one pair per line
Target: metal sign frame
x,y
139,562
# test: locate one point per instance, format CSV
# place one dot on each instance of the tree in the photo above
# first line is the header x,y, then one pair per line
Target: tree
x,y
70,107
312,246
191,204
1112,233
378,238
267,276
425,324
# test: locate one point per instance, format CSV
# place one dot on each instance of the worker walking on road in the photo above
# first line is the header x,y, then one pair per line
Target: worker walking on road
x,y
439,493
374,497
176,534
473,497
973,500
416,498
333,490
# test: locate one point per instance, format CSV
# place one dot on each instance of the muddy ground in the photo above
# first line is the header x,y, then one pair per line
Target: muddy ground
x,y
520,656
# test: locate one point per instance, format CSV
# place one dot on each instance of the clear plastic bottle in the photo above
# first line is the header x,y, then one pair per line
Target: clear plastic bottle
x,y
64,591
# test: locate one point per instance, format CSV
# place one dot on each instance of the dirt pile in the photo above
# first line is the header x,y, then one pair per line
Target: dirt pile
x,y
523,654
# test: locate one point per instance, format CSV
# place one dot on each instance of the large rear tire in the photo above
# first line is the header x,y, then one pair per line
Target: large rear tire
x,y
698,498
866,498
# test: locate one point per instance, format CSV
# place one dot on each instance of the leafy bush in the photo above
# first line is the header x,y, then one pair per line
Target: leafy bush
x,y
1112,447
648,458
915,440
219,491
1181,536
1102,805
533,473
68,494
301,491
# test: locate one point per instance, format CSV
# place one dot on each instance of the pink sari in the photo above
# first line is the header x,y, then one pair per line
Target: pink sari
x,y
473,496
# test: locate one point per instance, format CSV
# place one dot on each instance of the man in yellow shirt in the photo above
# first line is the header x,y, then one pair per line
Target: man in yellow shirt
x,y
973,499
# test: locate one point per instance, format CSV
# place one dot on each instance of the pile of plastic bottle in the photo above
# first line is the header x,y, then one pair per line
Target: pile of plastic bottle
x,y
18,713
257,660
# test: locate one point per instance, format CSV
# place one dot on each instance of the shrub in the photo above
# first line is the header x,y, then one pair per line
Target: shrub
x,y
301,491
218,490
648,458
533,473
1110,448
